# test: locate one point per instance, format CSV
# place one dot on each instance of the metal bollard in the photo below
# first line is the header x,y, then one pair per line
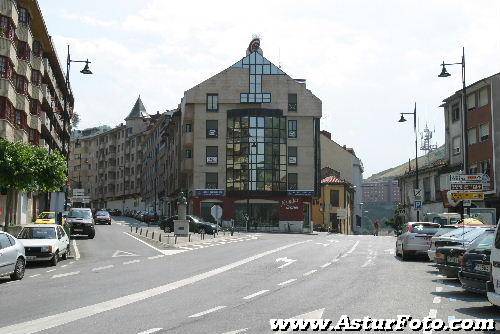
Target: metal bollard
x,y
147,232
153,235
189,237
141,231
159,238
175,240
136,228
168,240
214,235
130,229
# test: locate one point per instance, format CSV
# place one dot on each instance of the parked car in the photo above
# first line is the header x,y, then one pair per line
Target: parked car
x,y
46,217
115,212
451,238
449,257
445,229
493,285
12,257
416,240
196,225
102,217
81,222
44,243
475,268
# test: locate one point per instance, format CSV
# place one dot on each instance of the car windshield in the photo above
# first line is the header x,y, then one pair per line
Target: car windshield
x,y
47,215
37,233
80,214
197,219
484,241
424,228
102,213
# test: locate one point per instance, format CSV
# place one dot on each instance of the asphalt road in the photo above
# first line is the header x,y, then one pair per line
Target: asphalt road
x,y
121,285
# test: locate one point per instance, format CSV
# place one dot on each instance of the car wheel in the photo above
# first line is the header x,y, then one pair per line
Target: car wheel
x,y
109,223
66,254
404,256
91,235
166,229
18,270
55,259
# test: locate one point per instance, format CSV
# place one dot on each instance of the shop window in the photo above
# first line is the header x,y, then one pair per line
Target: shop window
x,y
212,155
292,155
292,128
212,129
292,102
211,181
213,102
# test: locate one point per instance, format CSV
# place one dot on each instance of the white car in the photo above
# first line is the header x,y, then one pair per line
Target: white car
x,y
416,240
12,259
46,242
493,286
447,237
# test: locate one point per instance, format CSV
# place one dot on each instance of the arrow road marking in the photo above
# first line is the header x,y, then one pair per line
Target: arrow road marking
x,y
120,253
286,260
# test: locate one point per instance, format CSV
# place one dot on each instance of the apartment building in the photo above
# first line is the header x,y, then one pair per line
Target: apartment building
x,y
108,164
249,142
32,91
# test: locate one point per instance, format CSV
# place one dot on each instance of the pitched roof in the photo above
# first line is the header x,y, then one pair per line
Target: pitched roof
x,y
138,111
333,180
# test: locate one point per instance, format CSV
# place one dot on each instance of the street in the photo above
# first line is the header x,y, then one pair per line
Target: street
x,y
121,285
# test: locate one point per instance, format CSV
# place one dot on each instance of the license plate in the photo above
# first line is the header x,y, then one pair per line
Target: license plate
x,y
482,267
77,230
453,259
30,258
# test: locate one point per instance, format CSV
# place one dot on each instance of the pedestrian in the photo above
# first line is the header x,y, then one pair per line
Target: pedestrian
x,y
376,226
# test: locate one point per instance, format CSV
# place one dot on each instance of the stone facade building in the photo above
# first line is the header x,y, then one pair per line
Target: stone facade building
x,y
32,93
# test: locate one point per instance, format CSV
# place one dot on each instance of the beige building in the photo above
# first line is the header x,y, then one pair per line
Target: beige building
x,y
32,90
250,143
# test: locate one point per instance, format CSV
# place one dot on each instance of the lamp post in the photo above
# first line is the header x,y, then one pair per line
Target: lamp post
x,y
123,188
401,120
66,117
465,136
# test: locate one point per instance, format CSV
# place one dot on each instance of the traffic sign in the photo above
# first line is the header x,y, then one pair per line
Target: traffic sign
x,y
417,205
464,196
216,212
467,202
78,192
464,178
467,187
342,213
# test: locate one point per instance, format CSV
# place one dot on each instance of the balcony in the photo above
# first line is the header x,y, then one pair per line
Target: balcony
x,y
23,33
34,122
36,93
36,63
8,8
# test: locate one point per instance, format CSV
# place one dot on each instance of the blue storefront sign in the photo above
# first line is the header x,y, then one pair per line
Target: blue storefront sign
x,y
209,192
300,192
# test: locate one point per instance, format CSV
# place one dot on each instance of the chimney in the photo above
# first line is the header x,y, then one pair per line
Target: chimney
x,y
326,134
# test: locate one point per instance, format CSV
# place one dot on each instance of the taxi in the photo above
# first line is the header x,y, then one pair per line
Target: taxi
x,y
46,217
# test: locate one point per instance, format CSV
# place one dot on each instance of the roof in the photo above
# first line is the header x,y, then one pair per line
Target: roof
x,y
138,111
459,92
333,180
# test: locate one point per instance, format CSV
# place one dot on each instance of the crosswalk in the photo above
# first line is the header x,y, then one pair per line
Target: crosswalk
x,y
218,242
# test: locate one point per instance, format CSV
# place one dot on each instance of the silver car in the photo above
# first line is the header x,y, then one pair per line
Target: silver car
x,y
12,258
416,240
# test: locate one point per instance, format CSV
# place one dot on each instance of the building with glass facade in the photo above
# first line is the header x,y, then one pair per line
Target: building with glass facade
x,y
250,143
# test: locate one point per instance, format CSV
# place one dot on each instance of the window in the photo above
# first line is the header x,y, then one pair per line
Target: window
x,y
292,128
21,84
483,97
7,27
472,136
188,153
212,102
37,49
471,101
455,113
4,241
23,50
212,129
427,189
335,198
473,169
212,153
485,167
35,107
211,181
292,102
36,77
292,155
5,68
292,181
484,131
24,16
456,145
188,128
437,188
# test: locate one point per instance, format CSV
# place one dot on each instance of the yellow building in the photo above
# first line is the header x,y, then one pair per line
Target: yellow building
x,y
334,209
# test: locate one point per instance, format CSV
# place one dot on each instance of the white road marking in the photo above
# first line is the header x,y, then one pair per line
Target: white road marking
x,y
432,313
64,266
322,244
51,270
255,294
77,253
150,246
326,265
436,300
344,255
66,274
120,253
243,330
36,275
353,248
335,260
287,282
132,261
368,262
155,257
310,272
316,314
439,289
206,312
103,268
286,260
150,331
58,319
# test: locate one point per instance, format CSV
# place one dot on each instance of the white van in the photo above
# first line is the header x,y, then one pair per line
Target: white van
x,y
493,286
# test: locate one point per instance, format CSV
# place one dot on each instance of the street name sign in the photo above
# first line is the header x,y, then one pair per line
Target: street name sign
x,y
467,196
467,187
464,178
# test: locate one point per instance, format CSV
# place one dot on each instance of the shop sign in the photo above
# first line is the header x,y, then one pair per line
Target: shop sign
x,y
290,204
209,192
300,192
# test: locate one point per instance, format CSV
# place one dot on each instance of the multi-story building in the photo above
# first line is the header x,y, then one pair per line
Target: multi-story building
x,y
249,142
342,162
32,91
109,163
381,191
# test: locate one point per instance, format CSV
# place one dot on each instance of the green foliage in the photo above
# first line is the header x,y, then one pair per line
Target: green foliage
x,y
30,168
397,222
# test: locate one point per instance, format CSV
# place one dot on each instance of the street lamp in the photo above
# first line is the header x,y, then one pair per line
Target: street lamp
x,y
122,168
401,120
444,74
66,118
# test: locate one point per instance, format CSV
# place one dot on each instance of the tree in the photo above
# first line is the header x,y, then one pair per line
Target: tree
x,y
397,222
75,120
29,168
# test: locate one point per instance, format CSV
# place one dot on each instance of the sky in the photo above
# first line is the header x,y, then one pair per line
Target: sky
x,y
367,60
